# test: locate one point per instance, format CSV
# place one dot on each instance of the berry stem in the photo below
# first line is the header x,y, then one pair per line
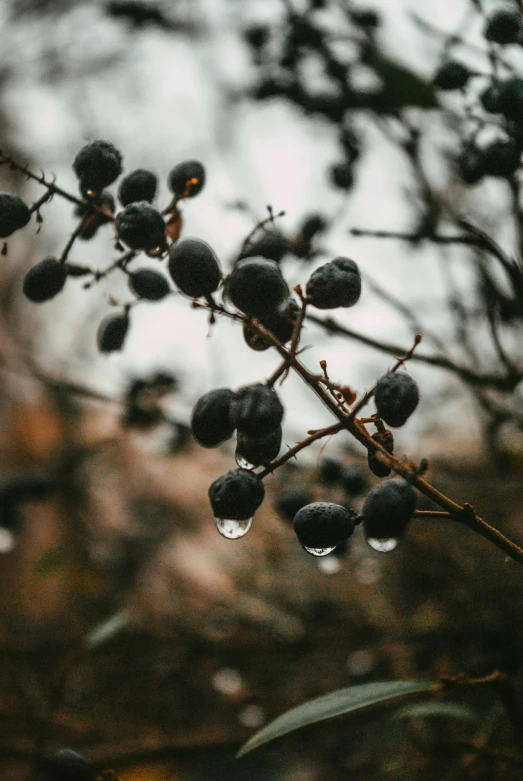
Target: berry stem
x,y
324,432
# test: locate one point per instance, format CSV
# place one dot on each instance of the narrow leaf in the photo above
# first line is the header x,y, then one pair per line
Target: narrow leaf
x,y
337,703
450,710
106,630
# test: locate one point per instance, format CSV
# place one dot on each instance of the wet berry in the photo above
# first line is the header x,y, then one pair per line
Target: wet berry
x,y
260,449
386,440
141,227
256,287
194,268
45,280
335,284
388,508
256,409
289,502
67,765
112,332
396,396
148,284
504,26
140,185
186,179
97,165
237,494
211,419
323,525
14,214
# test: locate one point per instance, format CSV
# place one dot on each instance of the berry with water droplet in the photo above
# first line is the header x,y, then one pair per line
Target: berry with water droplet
x,y
211,419
452,75
504,26
260,449
386,440
139,185
335,284
323,525
97,165
256,409
112,332
236,495
14,214
45,280
396,396
388,508
194,268
256,287
186,179
141,227
148,284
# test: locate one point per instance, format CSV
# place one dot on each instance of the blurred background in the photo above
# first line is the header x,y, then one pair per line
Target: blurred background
x,y
324,108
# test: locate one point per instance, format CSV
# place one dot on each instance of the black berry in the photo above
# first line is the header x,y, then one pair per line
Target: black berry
x,y
335,284
452,75
492,98
353,481
67,765
471,164
311,225
388,508
271,245
97,165
256,36
140,185
504,26
194,268
236,495
186,179
330,470
502,158
386,440
257,409
260,449
256,287
148,284
211,419
141,227
14,214
289,502
396,396
45,280
112,332
323,525
342,176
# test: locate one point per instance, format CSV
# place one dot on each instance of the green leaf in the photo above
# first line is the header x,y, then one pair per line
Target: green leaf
x,y
106,630
337,703
450,710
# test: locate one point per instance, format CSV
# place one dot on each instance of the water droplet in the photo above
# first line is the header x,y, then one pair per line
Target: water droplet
x,y
319,551
7,540
383,544
252,716
231,528
330,565
243,463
